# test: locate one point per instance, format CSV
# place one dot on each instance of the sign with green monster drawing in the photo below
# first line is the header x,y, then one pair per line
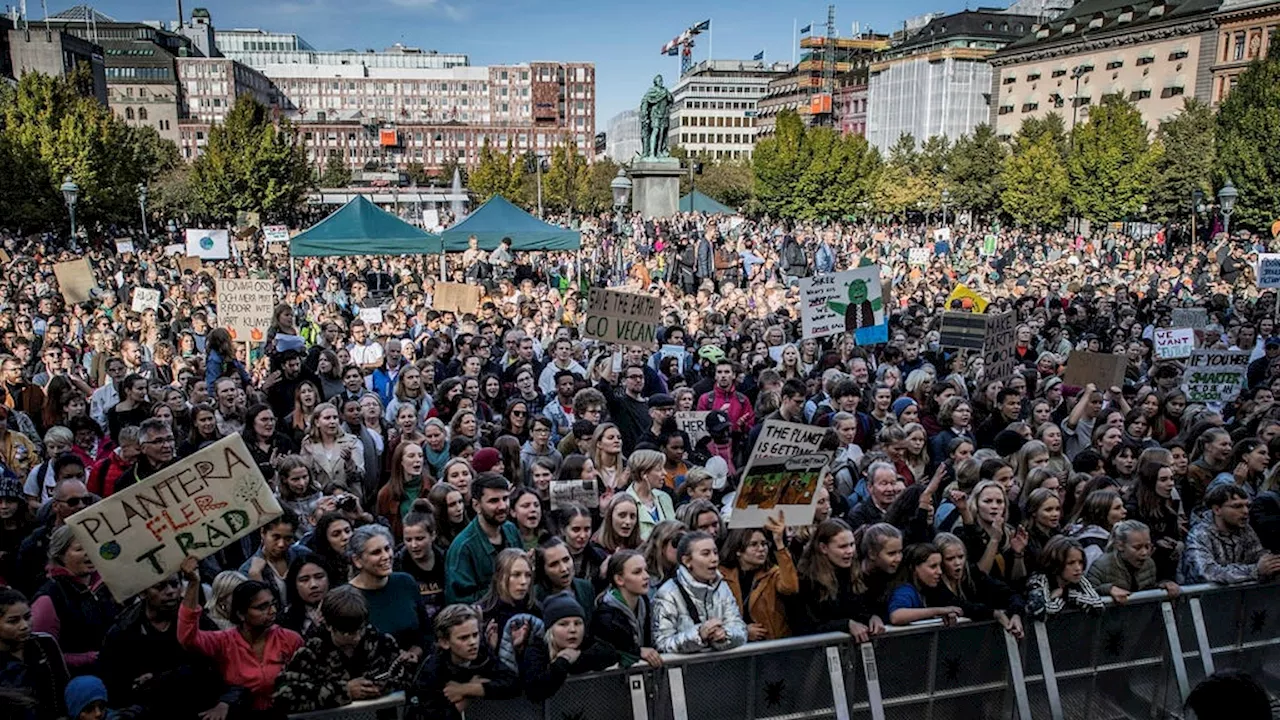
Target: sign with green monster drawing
x,y
850,301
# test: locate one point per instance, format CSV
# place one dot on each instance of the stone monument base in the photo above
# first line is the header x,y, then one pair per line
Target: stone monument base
x,y
655,189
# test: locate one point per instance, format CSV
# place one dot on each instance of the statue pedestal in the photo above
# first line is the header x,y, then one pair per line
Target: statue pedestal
x,y
655,186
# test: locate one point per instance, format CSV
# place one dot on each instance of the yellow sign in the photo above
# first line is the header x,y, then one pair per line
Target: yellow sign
x,y
963,293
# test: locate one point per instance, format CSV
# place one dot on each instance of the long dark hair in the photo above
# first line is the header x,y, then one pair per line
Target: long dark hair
x,y
295,608
335,561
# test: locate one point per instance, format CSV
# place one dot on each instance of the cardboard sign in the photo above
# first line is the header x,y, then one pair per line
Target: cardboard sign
x,y
694,424
942,234
1172,344
621,317
1194,318
196,506
582,492
244,308
998,351
276,233
371,316
4,256
193,264
145,299
851,301
918,256
459,298
247,219
963,330
1104,370
125,246
1215,375
1268,271
208,244
962,293
75,280
782,475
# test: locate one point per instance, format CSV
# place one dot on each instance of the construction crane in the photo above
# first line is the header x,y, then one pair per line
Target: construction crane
x,y
682,45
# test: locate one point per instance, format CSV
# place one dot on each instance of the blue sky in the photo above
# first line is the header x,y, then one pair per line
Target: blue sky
x,y
621,38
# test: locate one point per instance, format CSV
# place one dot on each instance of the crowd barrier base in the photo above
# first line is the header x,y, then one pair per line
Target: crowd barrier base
x,y
1136,661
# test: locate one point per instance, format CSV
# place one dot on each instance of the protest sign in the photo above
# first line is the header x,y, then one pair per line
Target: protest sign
x,y
942,234
75,280
196,506
998,350
1268,271
676,351
960,294
456,297
431,219
694,424
174,249
582,492
1172,344
125,246
851,301
4,256
276,233
962,330
918,256
208,244
1105,370
782,475
989,245
371,315
244,308
1215,375
622,317
145,299
189,263
1194,318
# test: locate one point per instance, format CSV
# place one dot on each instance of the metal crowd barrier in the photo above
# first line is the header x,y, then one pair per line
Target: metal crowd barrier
x,y
1137,660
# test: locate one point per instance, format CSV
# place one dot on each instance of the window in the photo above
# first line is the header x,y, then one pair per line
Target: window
x,y
1032,77
1139,95
1145,60
1238,47
1173,91
142,113
1006,109
1178,54
1083,101
1009,80
1058,73
1114,64
128,113
1030,107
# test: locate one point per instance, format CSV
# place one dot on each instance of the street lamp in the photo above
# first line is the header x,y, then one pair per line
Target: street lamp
x,y
142,205
621,187
1197,203
1227,201
946,196
71,194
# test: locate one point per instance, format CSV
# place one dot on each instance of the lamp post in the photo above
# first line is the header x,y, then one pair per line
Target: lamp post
x,y
1076,73
142,205
1227,202
946,196
1197,201
71,194
538,169
621,187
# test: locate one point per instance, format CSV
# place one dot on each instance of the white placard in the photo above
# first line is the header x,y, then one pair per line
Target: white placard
x,y
125,246
175,249
276,233
245,307
208,244
1215,375
371,315
918,256
1175,343
145,299
849,301
1268,271
781,476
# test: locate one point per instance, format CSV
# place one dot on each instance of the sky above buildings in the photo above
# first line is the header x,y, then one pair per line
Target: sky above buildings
x,y
622,38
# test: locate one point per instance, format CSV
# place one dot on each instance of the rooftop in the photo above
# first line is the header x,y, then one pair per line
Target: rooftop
x,y
82,13
984,23
1100,18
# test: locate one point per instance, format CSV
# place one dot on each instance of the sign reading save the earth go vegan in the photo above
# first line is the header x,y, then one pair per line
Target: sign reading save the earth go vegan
x,y
196,506
622,317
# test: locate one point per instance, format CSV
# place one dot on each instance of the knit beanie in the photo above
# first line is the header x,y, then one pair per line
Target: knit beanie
x,y
560,606
485,460
901,404
83,691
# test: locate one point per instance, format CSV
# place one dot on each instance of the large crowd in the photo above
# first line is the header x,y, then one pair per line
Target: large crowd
x,y
425,544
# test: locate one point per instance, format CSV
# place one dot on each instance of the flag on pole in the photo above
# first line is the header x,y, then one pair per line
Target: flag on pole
x,y
704,25
758,56
805,30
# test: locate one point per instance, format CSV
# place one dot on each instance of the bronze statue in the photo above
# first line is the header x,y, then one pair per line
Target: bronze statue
x,y
654,120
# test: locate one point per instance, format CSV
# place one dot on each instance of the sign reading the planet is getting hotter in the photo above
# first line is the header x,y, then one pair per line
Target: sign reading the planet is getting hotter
x,y
197,506
622,317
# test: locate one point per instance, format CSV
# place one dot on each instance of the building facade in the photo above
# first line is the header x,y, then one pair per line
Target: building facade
x,y
209,88
796,89
53,52
715,106
850,102
1154,53
938,81
1246,29
622,141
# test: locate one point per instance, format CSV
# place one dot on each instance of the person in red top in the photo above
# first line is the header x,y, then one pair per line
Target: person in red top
x,y
114,465
254,650
726,398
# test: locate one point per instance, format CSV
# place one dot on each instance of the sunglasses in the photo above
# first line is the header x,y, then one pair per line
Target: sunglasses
x,y
77,501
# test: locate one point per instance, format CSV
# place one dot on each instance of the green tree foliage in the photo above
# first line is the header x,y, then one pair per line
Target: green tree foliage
x,y
1052,125
492,174
973,175
445,175
906,182
728,181
564,183
1111,163
1186,160
778,162
1248,136
597,194
50,130
1035,182
252,164
804,173
336,174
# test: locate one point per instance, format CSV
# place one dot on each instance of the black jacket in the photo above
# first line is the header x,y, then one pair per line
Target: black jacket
x,y
1264,516
617,627
543,678
810,614
426,696
41,677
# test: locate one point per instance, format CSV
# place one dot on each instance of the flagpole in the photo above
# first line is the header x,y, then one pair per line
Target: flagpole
x,y
711,39
794,41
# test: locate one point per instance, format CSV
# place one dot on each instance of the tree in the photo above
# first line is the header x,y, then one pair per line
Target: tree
x,y
898,190
903,153
336,173
778,162
597,191
252,164
1247,138
564,182
492,174
1186,159
728,181
1034,128
1111,162
973,175
1035,183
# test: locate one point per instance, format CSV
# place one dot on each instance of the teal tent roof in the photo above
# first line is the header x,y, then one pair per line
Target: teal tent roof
x,y
497,219
699,202
362,228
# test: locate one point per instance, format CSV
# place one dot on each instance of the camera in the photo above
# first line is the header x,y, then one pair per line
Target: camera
x,y
347,503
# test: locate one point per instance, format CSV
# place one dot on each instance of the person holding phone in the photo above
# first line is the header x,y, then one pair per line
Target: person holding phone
x,y
344,660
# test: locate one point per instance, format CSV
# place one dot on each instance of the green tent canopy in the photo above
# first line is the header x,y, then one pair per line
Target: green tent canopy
x,y
362,228
696,201
497,219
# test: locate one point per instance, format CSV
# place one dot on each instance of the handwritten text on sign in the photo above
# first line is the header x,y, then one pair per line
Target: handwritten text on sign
x,y
244,308
196,506
999,347
781,476
1215,375
850,301
621,317
1175,343
1268,271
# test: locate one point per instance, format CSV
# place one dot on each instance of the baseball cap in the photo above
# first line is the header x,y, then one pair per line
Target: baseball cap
x,y
711,353
661,400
